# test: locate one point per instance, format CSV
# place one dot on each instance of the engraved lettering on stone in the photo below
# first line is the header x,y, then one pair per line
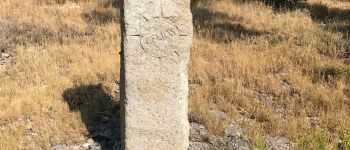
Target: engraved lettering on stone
x,y
157,39
154,91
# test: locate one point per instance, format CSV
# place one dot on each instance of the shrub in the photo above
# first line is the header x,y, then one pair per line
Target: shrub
x,y
101,15
333,45
13,32
331,73
276,4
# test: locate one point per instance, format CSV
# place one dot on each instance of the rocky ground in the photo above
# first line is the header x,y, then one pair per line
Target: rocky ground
x,y
277,81
4,60
233,138
106,136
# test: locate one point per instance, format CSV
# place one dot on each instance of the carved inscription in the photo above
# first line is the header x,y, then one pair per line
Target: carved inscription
x,y
159,36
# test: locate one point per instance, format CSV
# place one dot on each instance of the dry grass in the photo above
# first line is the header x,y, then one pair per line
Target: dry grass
x,y
32,89
245,53
244,56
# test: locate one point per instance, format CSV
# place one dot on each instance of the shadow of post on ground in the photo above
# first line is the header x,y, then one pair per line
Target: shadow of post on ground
x,y
99,112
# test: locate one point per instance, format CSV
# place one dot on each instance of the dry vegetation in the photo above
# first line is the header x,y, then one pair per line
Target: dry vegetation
x,y
270,70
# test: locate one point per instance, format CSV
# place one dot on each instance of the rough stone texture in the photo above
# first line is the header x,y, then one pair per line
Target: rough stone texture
x,y
198,133
229,142
233,139
4,60
277,143
59,147
218,114
199,146
157,36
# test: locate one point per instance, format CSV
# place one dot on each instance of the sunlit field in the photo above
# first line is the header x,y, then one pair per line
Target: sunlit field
x,y
275,71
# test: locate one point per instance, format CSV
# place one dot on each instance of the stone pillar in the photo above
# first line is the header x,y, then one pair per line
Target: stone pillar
x,y
157,37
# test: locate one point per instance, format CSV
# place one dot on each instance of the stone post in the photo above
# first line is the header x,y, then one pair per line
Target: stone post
x,y
156,42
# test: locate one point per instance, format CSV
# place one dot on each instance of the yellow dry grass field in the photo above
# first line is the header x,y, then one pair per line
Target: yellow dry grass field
x,y
275,72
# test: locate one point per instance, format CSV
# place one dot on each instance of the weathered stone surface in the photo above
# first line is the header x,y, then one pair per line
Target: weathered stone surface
x,y
277,143
217,114
233,139
4,60
199,146
198,133
157,36
59,147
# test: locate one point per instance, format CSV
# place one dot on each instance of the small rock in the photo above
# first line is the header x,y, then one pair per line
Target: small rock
x,y
29,126
32,134
193,86
4,60
238,144
341,144
198,133
234,138
286,86
313,121
86,145
218,142
59,147
277,143
75,148
266,99
90,141
289,88
92,145
218,114
70,5
5,55
234,129
199,146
